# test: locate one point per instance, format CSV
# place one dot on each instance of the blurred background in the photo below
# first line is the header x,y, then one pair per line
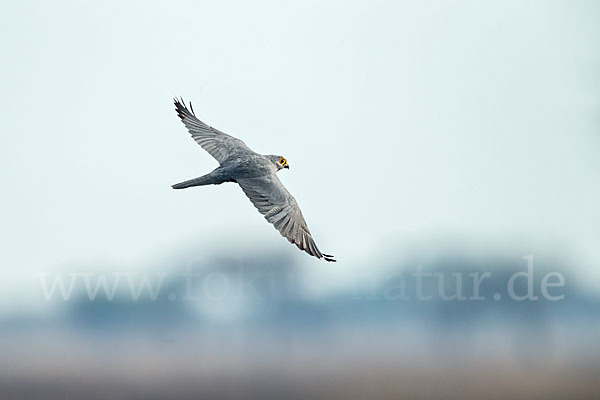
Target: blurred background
x,y
452,140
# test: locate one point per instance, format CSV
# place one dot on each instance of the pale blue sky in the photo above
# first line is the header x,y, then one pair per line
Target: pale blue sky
x,y
399,119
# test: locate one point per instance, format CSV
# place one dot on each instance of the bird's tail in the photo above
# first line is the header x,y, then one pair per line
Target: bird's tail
x,y
201,181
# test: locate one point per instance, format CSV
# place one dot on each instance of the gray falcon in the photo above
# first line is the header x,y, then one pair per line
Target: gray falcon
x,y
256,175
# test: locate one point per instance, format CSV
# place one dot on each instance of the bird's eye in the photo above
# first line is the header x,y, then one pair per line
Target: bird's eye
x,y
282,161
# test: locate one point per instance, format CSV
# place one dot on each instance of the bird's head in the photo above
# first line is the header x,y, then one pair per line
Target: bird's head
x,y
280,162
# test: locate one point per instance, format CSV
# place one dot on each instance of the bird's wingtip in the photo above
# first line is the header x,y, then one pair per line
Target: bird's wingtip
x,y
329,258
180,104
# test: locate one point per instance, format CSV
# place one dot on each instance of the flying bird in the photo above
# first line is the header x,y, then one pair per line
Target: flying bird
x,y
257,176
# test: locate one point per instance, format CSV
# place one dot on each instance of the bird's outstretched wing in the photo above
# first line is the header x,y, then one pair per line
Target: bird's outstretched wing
x,y
280,208
218,144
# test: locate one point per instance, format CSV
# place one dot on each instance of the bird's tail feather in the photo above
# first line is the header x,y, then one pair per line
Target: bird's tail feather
x,y
201,181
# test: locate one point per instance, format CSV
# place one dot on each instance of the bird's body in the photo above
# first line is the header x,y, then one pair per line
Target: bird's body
x,y
257,176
